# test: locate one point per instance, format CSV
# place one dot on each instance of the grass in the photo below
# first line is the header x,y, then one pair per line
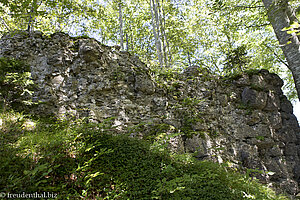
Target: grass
x,y
78,160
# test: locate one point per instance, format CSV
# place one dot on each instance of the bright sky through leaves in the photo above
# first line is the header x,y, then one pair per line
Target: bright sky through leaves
x,y
297,110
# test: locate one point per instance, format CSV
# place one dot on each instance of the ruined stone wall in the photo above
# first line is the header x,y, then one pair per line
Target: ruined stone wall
x,y
246,121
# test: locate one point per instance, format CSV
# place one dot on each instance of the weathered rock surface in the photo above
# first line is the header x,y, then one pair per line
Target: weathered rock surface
x,y
247,122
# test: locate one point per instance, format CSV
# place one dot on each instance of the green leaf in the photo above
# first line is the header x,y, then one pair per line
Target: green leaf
x,y
293,31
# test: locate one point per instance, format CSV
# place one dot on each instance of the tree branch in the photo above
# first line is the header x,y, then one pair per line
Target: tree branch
x,y
278,57
282,61
248,7
256,26
4,23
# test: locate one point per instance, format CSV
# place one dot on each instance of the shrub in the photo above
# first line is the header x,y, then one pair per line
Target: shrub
x,y
15,83
85,160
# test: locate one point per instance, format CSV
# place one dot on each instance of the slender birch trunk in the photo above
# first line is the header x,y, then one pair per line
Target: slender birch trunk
x,y
162,32
156,31
127,47
31,16
169,57
189,58
121,26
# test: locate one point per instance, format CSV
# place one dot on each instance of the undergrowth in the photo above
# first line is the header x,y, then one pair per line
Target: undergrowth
x,y
79,160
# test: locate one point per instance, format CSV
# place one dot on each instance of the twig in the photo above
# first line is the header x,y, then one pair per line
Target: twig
x,y
256,26
249,7
4,23
286,64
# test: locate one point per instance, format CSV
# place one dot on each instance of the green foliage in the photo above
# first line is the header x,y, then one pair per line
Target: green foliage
x,y
15,83
152,131
236,59
47,16
235,75
294,28
163,76
291,92
82,160
261,138
189,115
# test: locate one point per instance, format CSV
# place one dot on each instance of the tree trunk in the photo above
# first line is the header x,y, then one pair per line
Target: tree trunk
x,y
121,26
127,46
156,31
32,13
160,29
5,24
169,58
189,58
281,16
163,32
